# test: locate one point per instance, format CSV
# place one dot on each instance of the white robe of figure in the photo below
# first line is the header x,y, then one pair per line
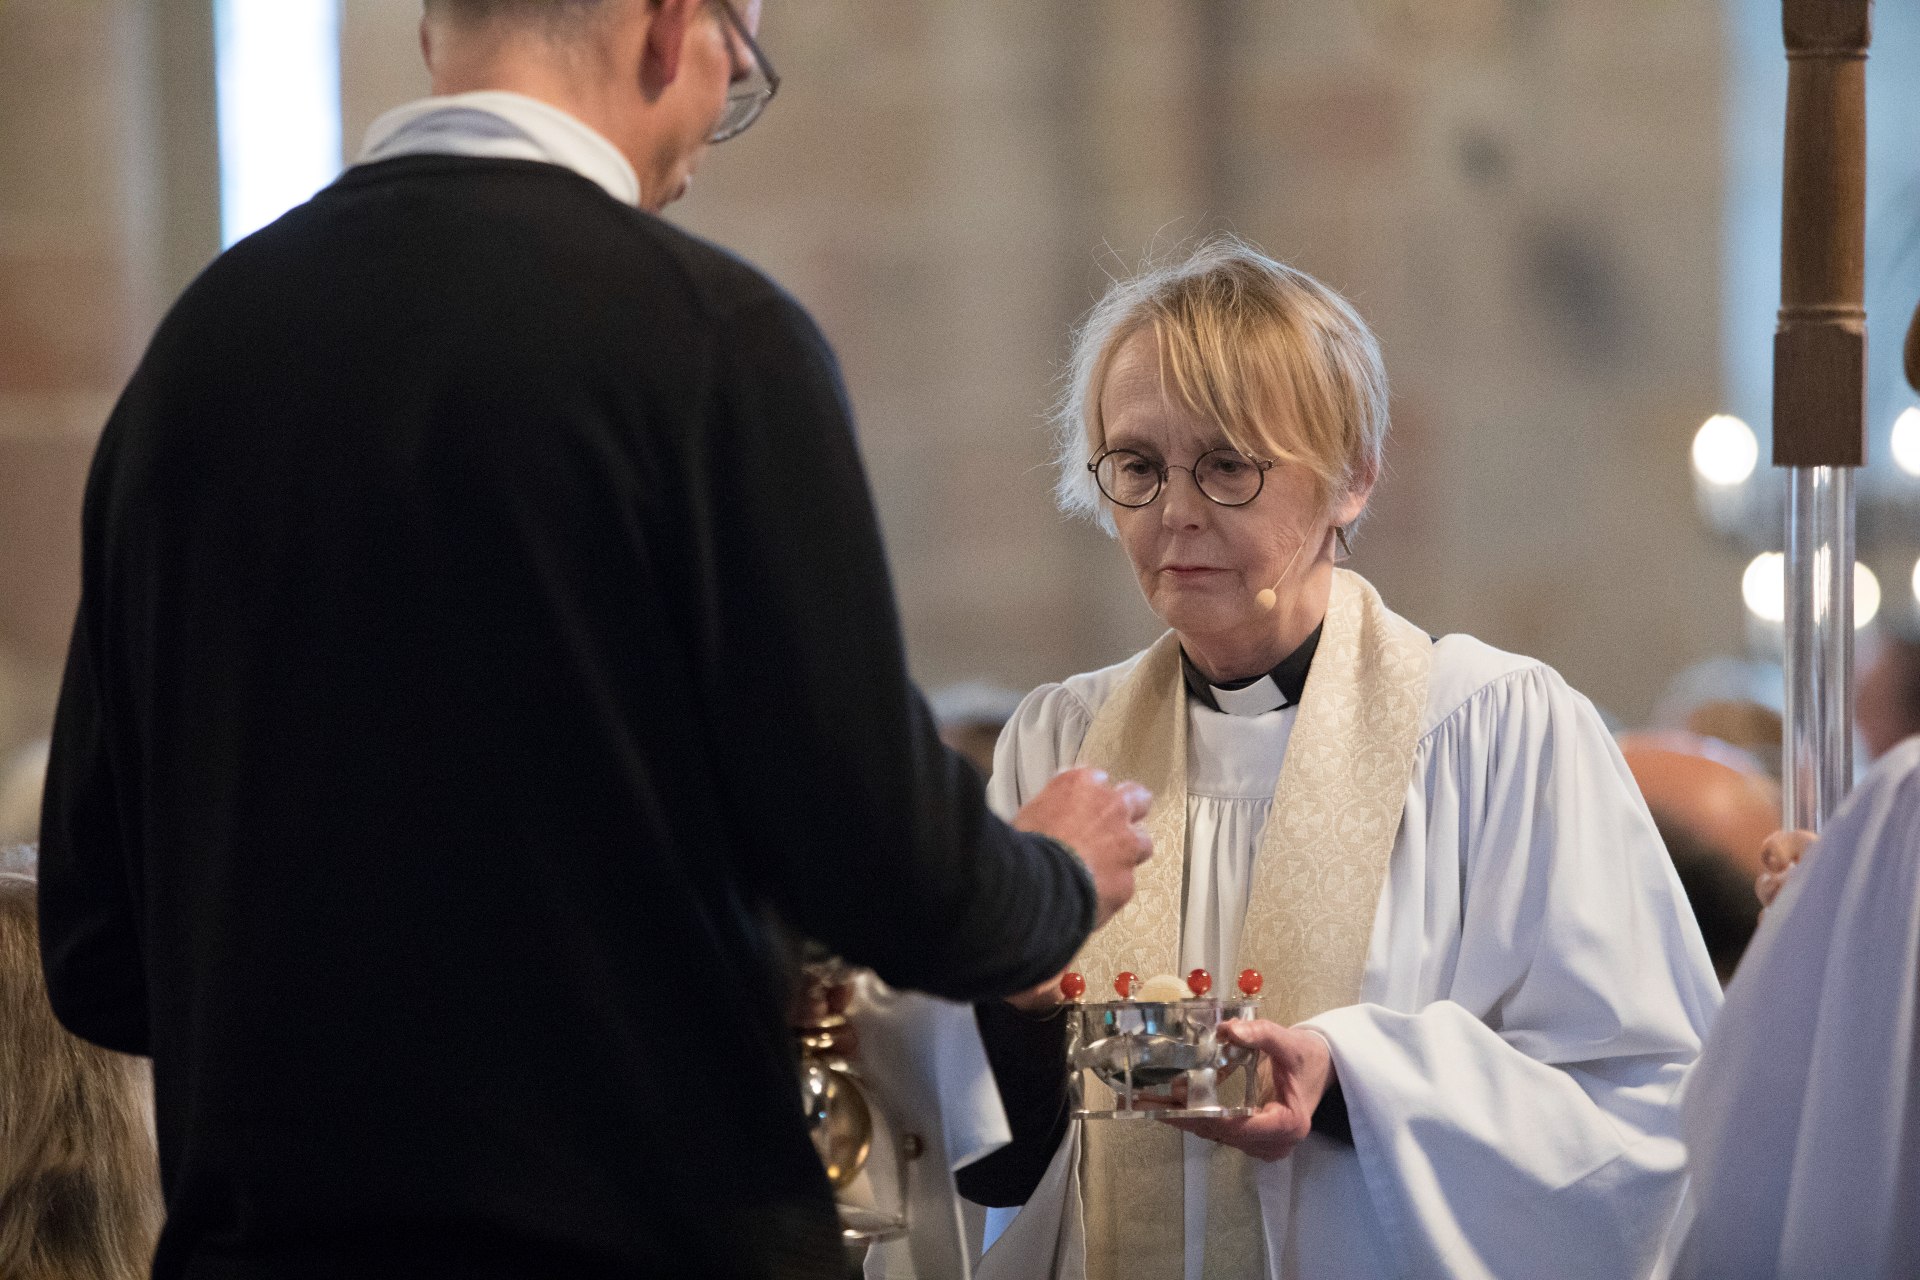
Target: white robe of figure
x,y
1535,990
1803,1117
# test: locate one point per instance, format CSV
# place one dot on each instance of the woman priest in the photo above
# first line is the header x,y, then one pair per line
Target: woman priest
x,y
1481,974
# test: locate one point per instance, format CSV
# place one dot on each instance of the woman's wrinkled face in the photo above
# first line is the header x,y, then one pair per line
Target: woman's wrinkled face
x,y
1199,564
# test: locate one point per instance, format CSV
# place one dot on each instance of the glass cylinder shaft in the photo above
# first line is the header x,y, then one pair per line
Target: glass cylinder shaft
x,y
1817,761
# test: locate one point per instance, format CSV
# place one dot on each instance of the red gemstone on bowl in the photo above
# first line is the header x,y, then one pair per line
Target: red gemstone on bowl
x,y
1072,986
1251,982
1199,982
1124,983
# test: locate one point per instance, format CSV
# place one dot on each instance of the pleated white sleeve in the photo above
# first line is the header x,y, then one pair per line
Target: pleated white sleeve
x,y
1041,739
1536,990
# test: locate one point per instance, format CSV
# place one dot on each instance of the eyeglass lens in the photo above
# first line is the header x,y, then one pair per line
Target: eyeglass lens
x,y
1225,476
748,98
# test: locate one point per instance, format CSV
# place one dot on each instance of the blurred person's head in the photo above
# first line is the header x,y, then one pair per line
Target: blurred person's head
x,y
1720,894
1751,728
1225,417
660,79
1737,701
1887,695
1715,808
79,1177
22,780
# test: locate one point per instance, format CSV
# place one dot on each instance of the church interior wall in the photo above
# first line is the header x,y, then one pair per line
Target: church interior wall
x,y
1523,198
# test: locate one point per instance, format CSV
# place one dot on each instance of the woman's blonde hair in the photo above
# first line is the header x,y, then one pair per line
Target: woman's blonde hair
x,y
1284,364
79,1177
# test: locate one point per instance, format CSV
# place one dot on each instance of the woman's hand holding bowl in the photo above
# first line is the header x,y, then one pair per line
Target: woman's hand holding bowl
x,y
1293,1072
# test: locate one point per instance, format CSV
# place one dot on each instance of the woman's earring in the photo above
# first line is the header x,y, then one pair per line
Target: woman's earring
x,y
1346,549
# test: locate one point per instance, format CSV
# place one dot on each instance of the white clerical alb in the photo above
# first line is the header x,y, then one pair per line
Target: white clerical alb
x,y
1803,1117
1534,991
1234,761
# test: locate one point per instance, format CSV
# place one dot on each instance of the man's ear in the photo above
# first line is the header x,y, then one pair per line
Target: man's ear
x,y
668,22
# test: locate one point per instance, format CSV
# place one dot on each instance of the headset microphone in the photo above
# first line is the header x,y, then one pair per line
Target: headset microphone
x,y
1270,596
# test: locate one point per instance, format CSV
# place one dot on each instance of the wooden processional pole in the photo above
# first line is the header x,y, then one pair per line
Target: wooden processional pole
x,y
1819,389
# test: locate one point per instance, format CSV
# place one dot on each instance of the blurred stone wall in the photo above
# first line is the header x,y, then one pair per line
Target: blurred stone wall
x,y
1522,195
102,156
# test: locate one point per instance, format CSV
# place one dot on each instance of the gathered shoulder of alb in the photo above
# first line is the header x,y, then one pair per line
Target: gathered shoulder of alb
x,y
1472,686
1468,672
1046,731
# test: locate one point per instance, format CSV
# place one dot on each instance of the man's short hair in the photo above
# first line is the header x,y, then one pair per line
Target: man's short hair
x,y
557,16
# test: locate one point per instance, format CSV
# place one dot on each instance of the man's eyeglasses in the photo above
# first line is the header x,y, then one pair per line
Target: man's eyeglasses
x,y
752,89
1224,476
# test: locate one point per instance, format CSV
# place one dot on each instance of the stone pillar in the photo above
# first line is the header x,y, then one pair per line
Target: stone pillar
x,y
107,199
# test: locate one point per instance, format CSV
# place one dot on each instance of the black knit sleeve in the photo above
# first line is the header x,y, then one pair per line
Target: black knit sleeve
x,y
870,834
89,924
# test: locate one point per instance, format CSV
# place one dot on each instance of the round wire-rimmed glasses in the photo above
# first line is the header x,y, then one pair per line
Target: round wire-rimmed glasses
x,y
752,91
1225,477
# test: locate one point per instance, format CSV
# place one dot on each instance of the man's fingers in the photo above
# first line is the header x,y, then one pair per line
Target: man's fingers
x,y
1137,799
1783,848
1779,855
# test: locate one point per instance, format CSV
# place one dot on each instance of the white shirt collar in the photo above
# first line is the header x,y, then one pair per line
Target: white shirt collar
x,y
502,125
1256,699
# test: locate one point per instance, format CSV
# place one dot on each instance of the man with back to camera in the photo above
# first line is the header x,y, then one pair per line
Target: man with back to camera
x,y
484,635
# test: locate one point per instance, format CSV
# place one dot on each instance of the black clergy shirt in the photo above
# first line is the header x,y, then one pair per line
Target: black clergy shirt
x,y
484,636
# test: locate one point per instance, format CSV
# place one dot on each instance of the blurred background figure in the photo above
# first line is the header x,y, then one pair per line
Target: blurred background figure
x,y
1734,701
79,1178
1714,807
970,717
1888,695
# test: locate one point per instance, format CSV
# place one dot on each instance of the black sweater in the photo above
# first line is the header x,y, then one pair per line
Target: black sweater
x,y
485,635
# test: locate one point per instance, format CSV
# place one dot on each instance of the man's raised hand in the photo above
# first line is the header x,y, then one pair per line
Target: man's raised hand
x,y
1100,821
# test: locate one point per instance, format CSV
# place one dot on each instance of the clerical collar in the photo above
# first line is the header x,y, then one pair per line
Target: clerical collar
x,y
502,125
1277,690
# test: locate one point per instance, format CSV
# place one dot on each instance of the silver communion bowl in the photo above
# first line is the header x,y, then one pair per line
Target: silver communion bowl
x,y
1157,1058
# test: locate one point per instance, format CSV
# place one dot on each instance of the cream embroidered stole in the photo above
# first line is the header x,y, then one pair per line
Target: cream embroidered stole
x,y
1316,886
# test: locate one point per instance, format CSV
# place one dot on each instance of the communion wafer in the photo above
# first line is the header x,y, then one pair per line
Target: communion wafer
x,y
1162,988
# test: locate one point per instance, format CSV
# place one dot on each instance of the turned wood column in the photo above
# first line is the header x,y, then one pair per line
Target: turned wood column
x,y
1819,390
1820,351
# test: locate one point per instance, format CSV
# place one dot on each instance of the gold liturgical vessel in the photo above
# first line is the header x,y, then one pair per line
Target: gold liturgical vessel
x,y
865,1155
